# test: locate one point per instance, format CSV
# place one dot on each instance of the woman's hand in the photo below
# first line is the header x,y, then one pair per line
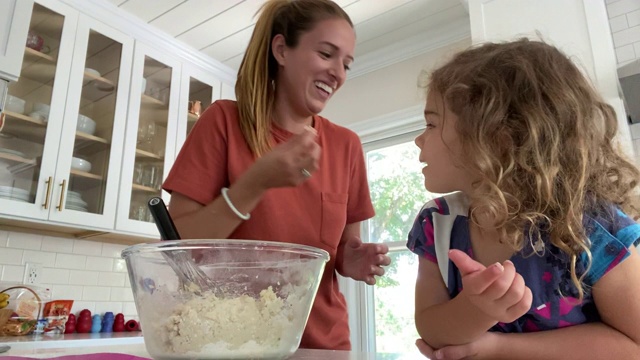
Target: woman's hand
x,y
498,290
362,261
289,163
481,348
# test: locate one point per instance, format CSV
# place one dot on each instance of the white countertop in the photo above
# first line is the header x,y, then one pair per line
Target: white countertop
x,y
139,350
132,343
46,341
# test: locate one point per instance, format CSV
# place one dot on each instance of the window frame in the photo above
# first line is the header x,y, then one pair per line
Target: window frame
x,y
360,297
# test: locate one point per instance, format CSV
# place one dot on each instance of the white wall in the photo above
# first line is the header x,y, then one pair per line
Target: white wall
x,y
624,19
386,90
92,274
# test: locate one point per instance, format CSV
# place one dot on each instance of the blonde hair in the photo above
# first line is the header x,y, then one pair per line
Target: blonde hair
x,y
255,87
540,139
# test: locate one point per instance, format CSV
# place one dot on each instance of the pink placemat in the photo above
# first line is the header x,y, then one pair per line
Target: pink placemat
x,y
98,356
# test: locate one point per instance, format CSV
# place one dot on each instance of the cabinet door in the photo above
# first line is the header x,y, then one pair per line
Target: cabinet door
x,y
150,136
30,137
89,160
200,89
14,24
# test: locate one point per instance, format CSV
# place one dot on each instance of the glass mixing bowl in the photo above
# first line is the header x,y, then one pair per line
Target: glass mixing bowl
x,y
257,309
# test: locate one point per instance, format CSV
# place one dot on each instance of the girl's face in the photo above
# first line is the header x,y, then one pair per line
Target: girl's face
x,y
441,150
316,68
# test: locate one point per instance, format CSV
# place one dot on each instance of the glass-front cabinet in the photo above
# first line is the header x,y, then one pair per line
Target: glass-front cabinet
x,y
150,137
61,143
202,89
34,112
89,160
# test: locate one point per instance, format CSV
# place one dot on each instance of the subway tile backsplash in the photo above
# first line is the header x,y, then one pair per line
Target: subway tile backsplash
x,y
624,20
91,273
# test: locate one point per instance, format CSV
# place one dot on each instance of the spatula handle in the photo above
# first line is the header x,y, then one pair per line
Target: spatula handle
x,y
163,221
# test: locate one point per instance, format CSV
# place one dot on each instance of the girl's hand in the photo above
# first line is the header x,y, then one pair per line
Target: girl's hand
x,y
290,163
481,348
498,290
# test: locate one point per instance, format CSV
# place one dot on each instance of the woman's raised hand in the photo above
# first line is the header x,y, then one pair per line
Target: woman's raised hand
x,y
290,163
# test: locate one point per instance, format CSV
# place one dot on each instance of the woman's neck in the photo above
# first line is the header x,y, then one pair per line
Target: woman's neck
x,y
285,116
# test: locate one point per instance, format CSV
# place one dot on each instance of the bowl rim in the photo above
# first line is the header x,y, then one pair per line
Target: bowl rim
x,y
222,243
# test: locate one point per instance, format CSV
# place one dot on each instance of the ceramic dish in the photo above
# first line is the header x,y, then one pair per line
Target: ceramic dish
x,y
38,116
86,125
13,190
74,193
92,72
13,152
73,201
14,104
76,208
80,164
14,198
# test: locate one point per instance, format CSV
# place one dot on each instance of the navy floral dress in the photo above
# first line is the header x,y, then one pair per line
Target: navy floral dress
x,y
545,272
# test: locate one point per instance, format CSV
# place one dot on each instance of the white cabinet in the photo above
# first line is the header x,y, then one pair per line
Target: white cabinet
x,y
61,150
14,25
29,143
89,158
95,119
580,28
200,89
150,143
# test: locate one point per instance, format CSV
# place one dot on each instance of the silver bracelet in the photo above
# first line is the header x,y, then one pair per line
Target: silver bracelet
x,y
233,208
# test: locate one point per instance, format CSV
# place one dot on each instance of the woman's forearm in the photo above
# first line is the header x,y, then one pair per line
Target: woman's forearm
x,y
454,322
592,341
216,220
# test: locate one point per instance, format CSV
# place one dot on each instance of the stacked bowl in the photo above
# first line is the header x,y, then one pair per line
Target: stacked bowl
x,y
14,193
75,202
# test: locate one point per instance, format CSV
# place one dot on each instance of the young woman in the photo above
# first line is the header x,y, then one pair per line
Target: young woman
x,y
268,167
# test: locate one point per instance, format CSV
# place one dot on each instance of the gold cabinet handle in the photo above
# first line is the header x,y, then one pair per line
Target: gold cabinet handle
x,y
49,182
64,183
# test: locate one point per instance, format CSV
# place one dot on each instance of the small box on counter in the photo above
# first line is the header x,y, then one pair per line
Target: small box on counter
x,y
56,313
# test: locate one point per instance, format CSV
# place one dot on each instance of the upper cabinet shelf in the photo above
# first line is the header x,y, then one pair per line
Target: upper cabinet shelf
x,y
31,55
38,66
24,127
153,103
17,159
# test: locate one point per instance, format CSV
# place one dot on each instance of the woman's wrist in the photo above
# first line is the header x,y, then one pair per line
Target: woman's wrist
x,y
243,196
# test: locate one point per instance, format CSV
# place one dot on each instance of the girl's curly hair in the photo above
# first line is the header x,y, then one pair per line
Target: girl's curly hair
x,y
540,139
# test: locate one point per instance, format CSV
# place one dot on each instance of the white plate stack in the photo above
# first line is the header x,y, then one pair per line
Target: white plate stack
x,y
75,202
13,193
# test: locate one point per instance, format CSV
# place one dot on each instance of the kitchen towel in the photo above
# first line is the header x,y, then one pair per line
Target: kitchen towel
x,y
98,356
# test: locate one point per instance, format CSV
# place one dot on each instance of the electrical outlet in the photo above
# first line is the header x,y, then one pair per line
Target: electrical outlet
x,y
32,273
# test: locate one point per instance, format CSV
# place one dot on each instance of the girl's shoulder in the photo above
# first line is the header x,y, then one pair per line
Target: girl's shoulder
x,y
611,233
453,204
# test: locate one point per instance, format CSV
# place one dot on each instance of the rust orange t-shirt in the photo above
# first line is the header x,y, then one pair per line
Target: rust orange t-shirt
x,y
314,213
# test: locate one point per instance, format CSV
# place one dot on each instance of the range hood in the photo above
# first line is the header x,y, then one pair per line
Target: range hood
x,y
629,75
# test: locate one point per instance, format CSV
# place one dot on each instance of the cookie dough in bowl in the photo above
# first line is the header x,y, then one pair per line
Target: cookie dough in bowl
x,y
258,311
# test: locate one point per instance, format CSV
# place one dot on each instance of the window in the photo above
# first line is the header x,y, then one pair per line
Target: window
x,y
398,193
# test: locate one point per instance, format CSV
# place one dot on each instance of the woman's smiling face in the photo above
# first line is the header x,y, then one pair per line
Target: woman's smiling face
x,y
313,70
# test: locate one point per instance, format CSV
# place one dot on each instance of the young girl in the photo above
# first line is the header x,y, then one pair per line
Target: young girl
x,y
543,263
267,167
